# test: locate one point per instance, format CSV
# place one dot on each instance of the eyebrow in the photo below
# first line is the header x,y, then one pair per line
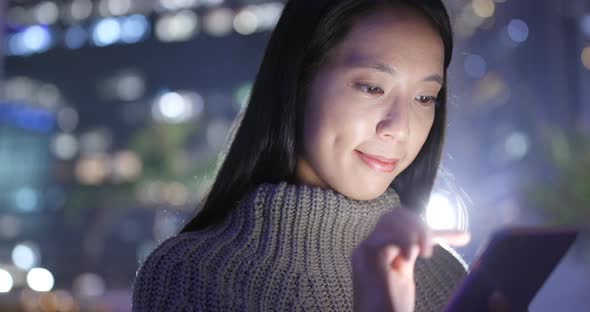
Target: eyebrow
x,y
360,61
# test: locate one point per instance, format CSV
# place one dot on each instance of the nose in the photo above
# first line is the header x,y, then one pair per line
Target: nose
x,y
395,123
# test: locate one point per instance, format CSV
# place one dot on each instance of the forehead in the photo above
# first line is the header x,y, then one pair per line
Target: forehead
x,y
398,36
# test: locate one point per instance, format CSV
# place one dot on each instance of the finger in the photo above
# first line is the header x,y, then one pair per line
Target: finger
x,y
400,230
404,229
426,243
451,237
412,253
405,264
389,254
410,244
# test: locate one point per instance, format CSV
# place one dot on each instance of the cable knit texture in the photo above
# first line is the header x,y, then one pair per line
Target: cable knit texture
x,y
284,248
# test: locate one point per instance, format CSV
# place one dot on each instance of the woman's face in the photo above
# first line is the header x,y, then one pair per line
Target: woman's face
x,y
371,106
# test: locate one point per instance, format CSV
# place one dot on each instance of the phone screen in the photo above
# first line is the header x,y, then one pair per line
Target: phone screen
x,y
516,262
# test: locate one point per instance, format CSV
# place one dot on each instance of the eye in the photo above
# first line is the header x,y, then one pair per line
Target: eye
x,y
369,89
426,100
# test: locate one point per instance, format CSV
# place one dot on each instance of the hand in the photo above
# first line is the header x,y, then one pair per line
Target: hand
x,y
383,264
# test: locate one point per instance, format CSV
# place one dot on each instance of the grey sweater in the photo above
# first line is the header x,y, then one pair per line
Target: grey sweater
x,y
284,248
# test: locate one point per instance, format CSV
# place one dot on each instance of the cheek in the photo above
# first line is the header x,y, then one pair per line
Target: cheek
x,y
421,128
333,120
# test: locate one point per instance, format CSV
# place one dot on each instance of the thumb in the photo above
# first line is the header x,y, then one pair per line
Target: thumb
x,y
454,238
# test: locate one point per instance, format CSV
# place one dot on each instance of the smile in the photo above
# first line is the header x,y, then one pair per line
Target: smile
x,y
377,164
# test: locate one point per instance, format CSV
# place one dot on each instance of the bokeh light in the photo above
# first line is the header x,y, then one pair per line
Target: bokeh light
x,y
36,38
517,145
150,192
172,106
245,22
80,9
172,5
475,66
218,22
89,285
176,194
64,146
106,32
67,119
440,214
65,301
46,12
179,26
29,299
92,170
27,199
176,107
10,226
118,7
134,28
48,301
483,8
129,86
26,255
267,14
126,166
19,89
48,96
491,90
6,281
40,279
467,22
518,30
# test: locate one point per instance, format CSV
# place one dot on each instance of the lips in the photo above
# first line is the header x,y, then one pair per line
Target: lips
x,y
378,163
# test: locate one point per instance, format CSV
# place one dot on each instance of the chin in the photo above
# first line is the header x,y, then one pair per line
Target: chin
x,y
365,192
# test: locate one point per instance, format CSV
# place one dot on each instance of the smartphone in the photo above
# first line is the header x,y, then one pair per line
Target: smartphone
x,y
517,261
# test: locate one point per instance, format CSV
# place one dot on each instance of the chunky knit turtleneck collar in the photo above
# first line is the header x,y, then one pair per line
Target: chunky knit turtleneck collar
x,y
323,215
333,203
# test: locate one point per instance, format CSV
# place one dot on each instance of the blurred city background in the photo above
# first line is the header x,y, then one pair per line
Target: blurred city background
x,y
113,114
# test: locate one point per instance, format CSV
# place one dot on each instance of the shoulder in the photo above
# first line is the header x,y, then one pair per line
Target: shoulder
x,y
169,271
154,274
180,247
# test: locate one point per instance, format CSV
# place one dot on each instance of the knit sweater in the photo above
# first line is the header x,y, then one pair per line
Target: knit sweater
x,y
284,247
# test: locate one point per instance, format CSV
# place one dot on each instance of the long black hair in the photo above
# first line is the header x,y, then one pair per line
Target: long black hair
x,y
265,147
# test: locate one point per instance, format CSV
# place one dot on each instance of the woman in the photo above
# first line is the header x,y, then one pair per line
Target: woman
x,y
316,204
